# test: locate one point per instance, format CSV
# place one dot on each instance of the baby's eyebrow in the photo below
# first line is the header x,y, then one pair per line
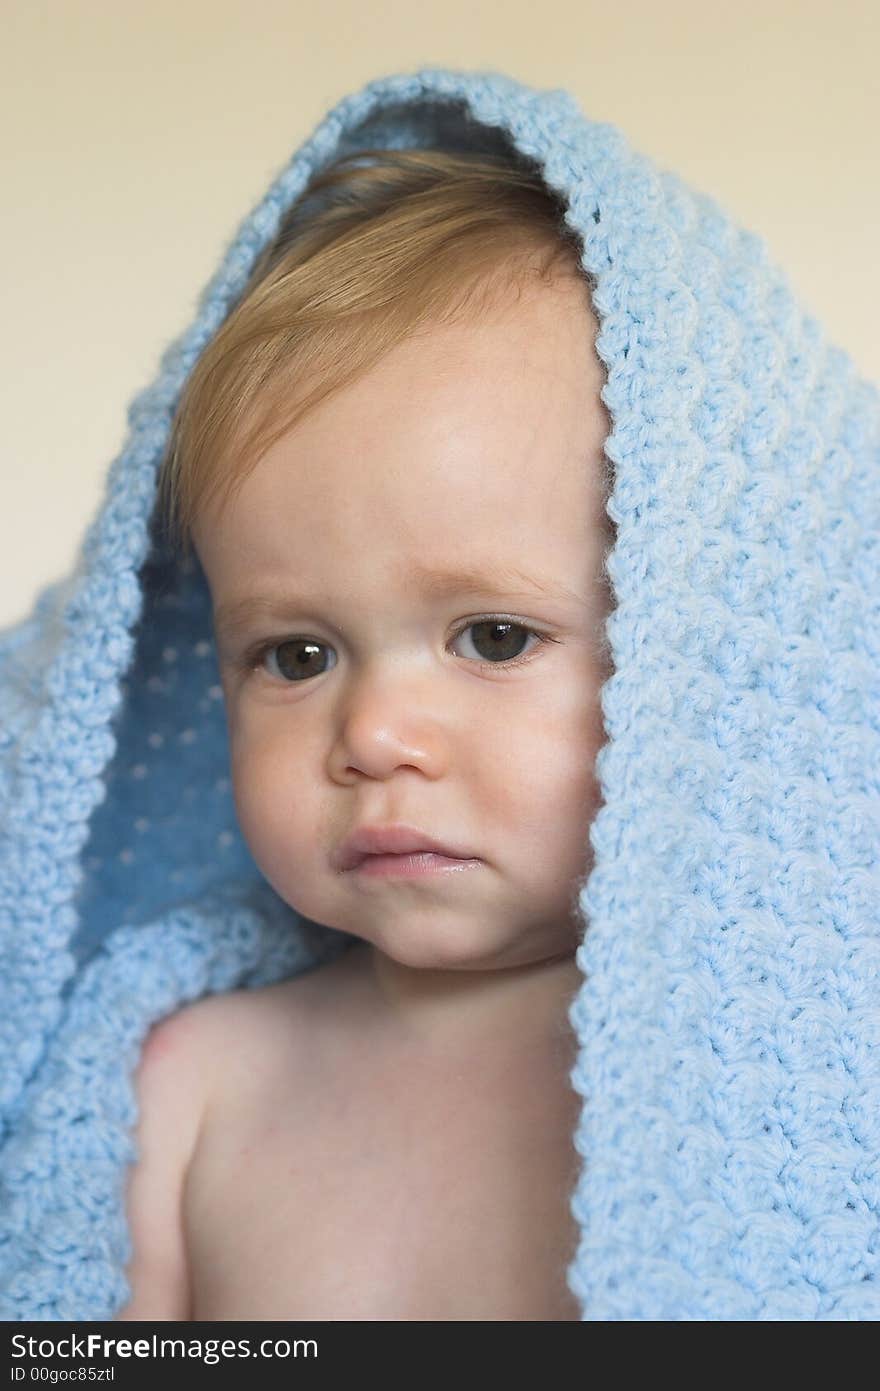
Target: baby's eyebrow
x,y
499,580
505,582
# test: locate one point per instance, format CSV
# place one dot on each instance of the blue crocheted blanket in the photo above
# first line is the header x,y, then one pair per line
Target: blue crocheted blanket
x,y
729,1017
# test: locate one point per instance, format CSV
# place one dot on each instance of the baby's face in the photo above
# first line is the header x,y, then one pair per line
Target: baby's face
x,y
473,450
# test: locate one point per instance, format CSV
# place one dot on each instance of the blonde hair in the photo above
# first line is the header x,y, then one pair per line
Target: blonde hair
x,y
407,239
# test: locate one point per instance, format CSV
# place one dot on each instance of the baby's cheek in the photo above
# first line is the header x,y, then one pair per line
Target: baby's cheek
x,y
563,772
567,730
278,820
270,793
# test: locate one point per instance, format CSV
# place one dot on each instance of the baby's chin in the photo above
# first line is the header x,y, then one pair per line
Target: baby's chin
x,y
465,947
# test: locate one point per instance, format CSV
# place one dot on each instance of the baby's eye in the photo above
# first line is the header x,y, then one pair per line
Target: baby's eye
x,y
501,638
299,658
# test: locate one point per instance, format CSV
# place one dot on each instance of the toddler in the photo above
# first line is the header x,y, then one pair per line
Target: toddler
x,y
421,553
388,929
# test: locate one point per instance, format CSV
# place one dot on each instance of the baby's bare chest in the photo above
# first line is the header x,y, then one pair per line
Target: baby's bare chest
x,y
441,1201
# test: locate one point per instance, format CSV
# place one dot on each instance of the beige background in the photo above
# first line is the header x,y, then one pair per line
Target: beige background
x,y
136,137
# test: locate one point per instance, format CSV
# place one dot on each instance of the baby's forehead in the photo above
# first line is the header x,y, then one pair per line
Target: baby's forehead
x,y
484,439
481,532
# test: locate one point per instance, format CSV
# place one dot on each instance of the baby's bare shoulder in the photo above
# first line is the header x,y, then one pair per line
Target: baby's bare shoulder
x,y
266,1016
187,1062
170,1087
249,1018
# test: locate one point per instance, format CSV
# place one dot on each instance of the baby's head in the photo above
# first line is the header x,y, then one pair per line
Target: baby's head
x,y
390,464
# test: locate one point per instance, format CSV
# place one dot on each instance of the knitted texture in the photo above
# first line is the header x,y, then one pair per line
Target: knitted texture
x,y
729,1014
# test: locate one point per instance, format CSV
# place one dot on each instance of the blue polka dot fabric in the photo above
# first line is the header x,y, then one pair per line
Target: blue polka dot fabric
x,y
728,1020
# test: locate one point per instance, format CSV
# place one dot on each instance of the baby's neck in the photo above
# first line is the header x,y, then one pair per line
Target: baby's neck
x,y
468,1009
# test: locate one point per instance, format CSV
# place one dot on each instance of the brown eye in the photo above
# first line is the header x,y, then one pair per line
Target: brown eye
x,y
498,640
298,658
